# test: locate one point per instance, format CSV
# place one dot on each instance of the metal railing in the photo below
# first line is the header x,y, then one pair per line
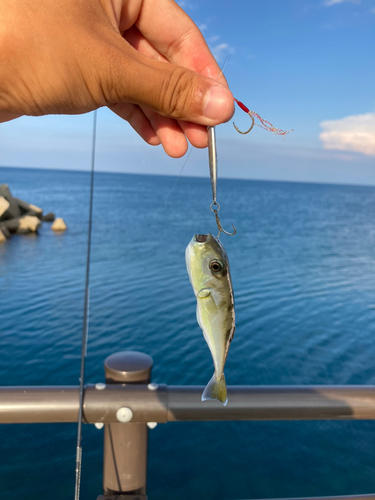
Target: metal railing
x,y
161,403
127,404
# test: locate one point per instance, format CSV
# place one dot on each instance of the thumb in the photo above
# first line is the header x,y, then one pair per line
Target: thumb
x,y
169,89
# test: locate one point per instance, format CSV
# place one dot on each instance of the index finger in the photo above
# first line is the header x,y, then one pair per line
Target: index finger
x,y
175,35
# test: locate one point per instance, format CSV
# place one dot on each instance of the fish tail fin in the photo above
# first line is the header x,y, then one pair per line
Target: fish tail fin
x,y
216,389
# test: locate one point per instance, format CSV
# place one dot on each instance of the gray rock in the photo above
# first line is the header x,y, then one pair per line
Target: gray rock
x,y
13,210
29,208
23,230
11,224
50,217
5,231
32,213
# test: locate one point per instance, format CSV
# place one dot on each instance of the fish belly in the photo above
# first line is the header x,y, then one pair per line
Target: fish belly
x,y
214,326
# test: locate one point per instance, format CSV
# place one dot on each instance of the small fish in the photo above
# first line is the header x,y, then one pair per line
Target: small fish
x,y
208,267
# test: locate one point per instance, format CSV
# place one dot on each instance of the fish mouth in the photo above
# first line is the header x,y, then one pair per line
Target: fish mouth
x,y
201,238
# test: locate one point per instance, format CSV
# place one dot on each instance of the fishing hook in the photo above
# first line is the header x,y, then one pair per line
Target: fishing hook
x,y
246,131
219,226
266,125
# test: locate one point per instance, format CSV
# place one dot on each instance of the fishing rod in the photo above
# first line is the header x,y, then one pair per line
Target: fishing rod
x,y
85,329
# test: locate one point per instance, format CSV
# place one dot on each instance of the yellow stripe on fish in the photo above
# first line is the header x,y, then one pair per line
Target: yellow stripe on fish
x,y
208,267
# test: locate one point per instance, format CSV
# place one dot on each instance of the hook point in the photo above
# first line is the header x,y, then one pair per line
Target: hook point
x,y
246,131
220,227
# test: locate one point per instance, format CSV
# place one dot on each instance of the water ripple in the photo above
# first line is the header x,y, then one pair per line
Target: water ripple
x,y
303,270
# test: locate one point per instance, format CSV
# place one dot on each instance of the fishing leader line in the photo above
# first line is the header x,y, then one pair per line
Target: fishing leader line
x,y
179,175
85,329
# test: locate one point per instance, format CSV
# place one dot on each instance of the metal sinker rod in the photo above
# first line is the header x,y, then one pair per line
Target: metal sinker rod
x,y
161,403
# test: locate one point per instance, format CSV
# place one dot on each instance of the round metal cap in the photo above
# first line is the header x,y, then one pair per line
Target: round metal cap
x,y
127,367
124,414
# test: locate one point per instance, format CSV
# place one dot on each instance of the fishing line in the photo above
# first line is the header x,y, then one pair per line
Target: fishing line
x,y
224,65
85,329
179,175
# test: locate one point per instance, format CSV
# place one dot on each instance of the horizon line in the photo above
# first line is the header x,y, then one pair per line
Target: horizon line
x,y
191,176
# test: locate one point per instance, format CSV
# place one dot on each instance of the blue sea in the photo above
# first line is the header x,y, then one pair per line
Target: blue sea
x,y
303,271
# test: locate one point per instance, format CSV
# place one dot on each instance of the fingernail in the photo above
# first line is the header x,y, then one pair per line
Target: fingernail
x,y
215,102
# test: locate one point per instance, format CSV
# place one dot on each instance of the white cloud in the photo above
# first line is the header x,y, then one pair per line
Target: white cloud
x,y
186,5
352,133
220,50
328,3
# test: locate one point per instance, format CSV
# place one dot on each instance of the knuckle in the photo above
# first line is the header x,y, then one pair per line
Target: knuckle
x,y
105,84
177,93
16,97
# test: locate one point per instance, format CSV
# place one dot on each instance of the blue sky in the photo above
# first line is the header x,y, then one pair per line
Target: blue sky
x,y
307,66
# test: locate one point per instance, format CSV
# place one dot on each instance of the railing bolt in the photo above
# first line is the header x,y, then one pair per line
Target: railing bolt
x,y
100,386
124,414
151,425
99,425
153,386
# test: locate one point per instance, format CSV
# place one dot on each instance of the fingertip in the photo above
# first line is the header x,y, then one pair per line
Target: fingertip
x,y
147,133
196,134
218,104
175,149
153,141
169,133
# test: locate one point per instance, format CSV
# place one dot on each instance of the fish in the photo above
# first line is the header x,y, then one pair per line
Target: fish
x,y
208,268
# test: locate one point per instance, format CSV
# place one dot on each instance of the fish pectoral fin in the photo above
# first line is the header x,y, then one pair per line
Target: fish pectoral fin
x,y
204,293
216,389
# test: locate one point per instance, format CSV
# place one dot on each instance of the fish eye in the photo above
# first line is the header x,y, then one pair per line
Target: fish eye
x,y
216,266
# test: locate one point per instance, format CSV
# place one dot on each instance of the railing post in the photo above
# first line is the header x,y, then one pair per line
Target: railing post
x,y
125,443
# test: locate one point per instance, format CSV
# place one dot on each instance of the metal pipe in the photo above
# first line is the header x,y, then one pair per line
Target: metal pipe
x,y
275,403
27,405
126,440
182,403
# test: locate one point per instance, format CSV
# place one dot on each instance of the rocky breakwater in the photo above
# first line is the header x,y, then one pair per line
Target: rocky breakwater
x,y
20,217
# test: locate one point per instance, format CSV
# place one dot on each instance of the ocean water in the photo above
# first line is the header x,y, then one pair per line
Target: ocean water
x,y
303,270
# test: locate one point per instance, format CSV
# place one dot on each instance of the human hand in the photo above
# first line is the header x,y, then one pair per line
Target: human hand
x,y
144,59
